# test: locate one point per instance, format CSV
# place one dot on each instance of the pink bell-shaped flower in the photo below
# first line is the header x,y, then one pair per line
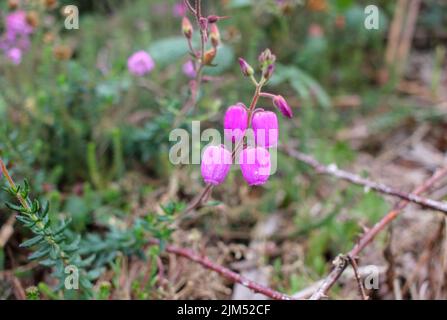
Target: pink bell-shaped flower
x,y
235,122
216,163
255,165
265,128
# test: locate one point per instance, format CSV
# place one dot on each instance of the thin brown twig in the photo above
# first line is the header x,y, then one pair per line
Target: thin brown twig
x,y
408,33
357,278
7,230
190,7
12,184
394,32
200,57
355,179
370,235
197,201
225,272
424,257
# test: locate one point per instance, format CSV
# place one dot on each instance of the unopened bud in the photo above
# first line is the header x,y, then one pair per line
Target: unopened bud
x,y
209,56
283,106
50,4
214,35
187,28
266,58
32,18
62,52
214,18
268,72
13,4
246,69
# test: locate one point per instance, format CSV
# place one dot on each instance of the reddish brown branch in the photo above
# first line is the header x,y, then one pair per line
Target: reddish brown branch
x,y
227,273
368,237
355,179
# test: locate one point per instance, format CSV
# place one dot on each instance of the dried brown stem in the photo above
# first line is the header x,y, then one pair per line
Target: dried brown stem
x,y
195,87
12,184
358,279
355,179
369,236
225,272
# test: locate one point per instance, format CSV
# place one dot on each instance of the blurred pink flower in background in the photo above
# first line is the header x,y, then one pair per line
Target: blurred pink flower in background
x,y
140,63
16,38
14,55
16,25
189,70
179,9
315,31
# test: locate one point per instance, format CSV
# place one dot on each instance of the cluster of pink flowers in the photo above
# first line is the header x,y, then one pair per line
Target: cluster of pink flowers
x,y
254,160
16,38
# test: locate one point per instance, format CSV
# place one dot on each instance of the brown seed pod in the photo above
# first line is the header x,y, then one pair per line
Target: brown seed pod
x,y
62,52
317,5
32,17
13,4
50,4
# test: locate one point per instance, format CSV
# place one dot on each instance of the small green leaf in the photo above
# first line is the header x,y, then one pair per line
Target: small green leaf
x,y
40,253
31,242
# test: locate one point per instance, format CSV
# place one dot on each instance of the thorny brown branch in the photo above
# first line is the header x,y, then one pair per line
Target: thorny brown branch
x,y
225,272
355,179
368,237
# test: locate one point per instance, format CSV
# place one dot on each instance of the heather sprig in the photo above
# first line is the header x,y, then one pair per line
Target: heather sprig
x,y
254,161
51,247
239,118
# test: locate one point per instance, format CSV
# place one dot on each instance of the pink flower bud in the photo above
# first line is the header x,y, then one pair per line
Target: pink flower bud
x,y
216,163
140,63
214,35
187,28
268,72
282,105
214,18
235,122
255,165
246,69
266,58
265,127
